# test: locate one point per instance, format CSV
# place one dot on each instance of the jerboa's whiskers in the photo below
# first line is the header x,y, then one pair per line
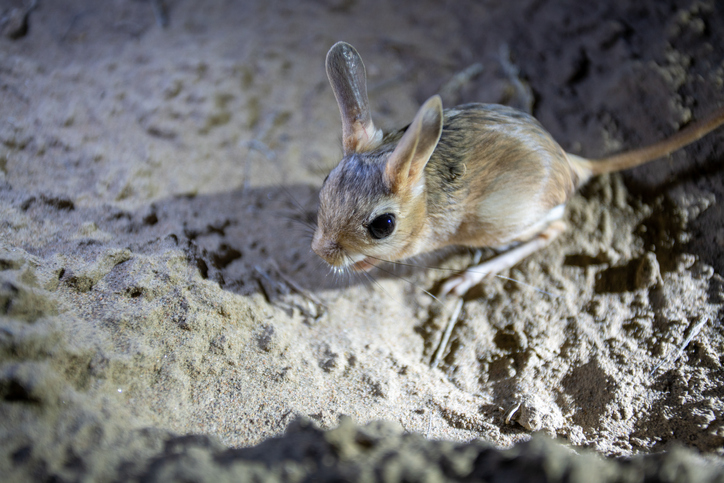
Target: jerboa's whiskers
x,y
414,265
362,276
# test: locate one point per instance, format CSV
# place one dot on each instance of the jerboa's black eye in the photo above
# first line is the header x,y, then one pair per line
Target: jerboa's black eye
x,y
382,226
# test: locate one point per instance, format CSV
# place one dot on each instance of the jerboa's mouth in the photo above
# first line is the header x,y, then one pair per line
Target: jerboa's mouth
x,y
364,265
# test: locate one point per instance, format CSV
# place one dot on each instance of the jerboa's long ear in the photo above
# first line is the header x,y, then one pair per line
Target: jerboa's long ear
x,y
346,73
406,165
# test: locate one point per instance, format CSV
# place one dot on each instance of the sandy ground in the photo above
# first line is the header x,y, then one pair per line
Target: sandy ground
x,y
155,189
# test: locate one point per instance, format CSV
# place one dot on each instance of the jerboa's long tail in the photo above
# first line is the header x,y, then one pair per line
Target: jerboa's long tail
x,y
640,156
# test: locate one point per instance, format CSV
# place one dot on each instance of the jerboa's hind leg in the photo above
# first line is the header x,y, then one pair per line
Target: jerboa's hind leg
x,y
463,282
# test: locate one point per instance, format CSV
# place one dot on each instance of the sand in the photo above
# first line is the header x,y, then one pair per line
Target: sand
x,y
156,280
